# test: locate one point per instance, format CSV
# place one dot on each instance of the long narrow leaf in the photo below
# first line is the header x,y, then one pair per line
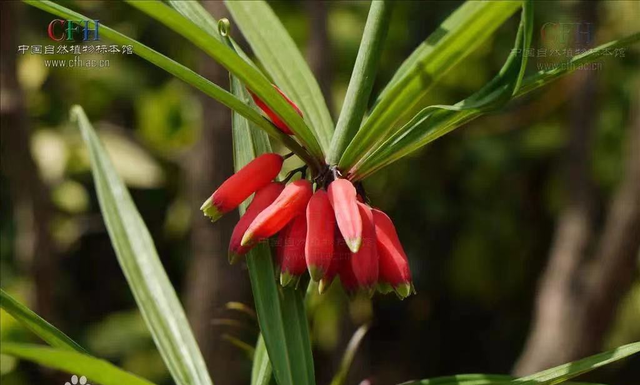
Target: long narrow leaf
x,y
261,371
282,321
229,59
442,122
181,72
280,57
96,370
37,324
362,78
141,265
459,35
475,379
349,354
464,379
281,314
492,96
570,370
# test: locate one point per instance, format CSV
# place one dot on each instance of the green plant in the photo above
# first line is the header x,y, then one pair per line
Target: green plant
x,y
356,149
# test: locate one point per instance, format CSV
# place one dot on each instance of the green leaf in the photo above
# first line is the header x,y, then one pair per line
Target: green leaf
x,y
195,12
283,321
442,122
37,324
474,379
347,359
229,59
492,96
261,371
280,56
459,35
183,73
280,311
463,379
362,78
570,370
141,265
97,370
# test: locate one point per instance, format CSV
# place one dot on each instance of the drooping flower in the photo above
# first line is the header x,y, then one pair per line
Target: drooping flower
x,y
320,235
275,119
364,262
235,190
342,196
291,202
394,265
261,200
290,250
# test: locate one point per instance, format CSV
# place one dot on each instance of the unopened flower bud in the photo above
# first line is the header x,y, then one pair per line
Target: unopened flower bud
x,y
275,119
364,263
291,202
261,200
394,264
321,225
342,196
235,190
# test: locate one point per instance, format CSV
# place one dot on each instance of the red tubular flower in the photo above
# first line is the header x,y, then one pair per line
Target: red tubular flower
x,y
321,223
275,119
291,202
290,250
235,190
263,198
342,196
341,255
394,265
364,263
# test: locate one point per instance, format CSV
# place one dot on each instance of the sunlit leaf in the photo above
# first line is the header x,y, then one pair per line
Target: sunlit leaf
x,y
570,370
141,265
96,370
442,122
456,38
37,324
261,371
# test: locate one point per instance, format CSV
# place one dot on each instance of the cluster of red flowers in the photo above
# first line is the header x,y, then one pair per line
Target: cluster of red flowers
x,y
330,232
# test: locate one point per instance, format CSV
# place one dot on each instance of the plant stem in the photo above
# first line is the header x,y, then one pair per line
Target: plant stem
x,y
362,78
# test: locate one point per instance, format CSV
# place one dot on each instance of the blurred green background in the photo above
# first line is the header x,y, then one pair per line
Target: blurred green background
x,y
480,212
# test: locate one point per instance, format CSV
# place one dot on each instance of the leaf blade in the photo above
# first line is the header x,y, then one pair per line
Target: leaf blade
x,y
74,363
38,325
280,312
447,121
261,370
457,37
280,56
138,258
570,370
362,79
